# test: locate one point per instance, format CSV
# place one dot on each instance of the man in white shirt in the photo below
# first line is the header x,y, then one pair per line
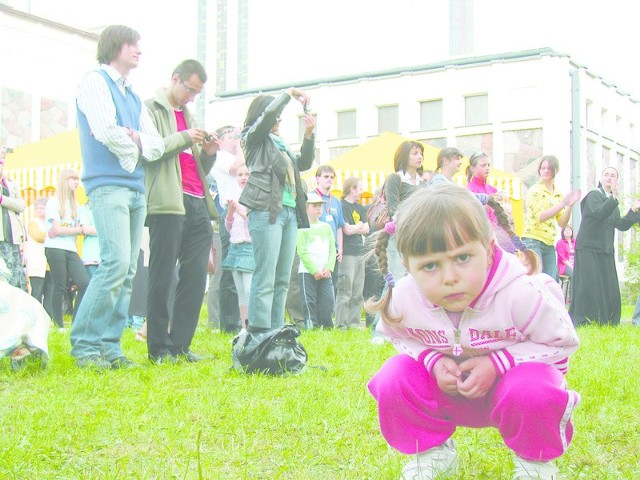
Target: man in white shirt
x,y
116,136
230,158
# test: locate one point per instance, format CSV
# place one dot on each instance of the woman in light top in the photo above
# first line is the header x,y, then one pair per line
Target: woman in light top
x,y
60,247
447,165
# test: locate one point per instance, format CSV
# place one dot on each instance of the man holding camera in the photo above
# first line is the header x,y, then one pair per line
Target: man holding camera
x,y
179,214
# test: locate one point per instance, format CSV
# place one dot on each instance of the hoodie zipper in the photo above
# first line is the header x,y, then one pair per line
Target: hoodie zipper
x,y
457,348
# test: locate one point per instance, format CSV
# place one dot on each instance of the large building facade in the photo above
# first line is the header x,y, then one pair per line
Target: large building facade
x,y
515,106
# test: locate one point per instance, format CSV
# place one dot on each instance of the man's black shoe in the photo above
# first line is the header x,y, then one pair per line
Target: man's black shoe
x,y
164,359
122,362
192,357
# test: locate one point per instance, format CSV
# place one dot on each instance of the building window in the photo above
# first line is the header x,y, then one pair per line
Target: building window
x,y
431,115
302,126
606,156
591,164
388,119
347,124
476,110
590,115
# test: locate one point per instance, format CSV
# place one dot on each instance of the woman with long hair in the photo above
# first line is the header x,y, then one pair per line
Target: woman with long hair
x,y
398,186
276,201
60,248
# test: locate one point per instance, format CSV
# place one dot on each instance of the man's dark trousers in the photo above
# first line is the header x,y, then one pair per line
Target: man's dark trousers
x,y
186,239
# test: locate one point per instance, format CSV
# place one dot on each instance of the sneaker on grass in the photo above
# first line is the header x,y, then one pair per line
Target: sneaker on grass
x,y
436,463
527,470
93,362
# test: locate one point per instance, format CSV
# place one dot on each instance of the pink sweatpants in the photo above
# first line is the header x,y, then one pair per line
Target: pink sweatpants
x,y
529,405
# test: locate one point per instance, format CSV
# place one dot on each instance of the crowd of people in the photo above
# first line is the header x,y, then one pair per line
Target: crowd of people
x,y
443,254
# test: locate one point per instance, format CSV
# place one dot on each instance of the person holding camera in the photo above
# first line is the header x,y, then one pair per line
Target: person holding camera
x,y
277,202
11,230
179,214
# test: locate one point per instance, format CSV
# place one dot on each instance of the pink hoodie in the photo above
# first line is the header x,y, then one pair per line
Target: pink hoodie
x,y
517,318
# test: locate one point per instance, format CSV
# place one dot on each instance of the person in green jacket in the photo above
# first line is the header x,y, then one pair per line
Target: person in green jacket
x,y
179,214
317,251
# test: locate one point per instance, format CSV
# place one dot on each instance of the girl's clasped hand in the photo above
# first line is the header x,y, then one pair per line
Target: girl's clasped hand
x,y
473,378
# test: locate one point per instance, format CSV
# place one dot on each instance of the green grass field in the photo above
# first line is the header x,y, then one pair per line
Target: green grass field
x,y
203,421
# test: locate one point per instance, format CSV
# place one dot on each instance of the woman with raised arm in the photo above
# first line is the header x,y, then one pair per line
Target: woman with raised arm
x,y
276,202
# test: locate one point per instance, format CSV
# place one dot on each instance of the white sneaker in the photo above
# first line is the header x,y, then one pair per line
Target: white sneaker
x,y
438,462
526,470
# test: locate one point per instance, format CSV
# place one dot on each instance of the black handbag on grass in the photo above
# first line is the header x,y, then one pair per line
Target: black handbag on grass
x,y
277,352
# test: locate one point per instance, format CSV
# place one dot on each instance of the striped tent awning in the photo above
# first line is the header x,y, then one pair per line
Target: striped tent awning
x,y
372,162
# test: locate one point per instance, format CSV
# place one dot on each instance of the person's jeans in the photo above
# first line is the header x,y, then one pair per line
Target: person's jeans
x,y
228,297
635,319
186,239
547,254
91,269
274,246
373,284
350,287
119,215
135,322
65,264
317,301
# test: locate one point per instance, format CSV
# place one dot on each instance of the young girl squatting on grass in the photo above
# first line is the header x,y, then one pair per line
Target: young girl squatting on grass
x,y
481,342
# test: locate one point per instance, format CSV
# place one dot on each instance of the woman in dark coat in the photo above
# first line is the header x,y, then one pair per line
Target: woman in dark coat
x,y
596,293
276,201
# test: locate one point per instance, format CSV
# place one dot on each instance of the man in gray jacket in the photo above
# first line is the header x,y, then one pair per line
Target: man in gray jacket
x,y
180,210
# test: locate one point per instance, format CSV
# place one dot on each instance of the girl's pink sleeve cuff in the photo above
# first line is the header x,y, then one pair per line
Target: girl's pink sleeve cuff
x,y
502,361
429,358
